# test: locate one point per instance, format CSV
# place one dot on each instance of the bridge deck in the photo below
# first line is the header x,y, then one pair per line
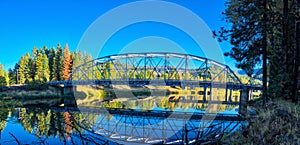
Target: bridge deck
x,y
190,83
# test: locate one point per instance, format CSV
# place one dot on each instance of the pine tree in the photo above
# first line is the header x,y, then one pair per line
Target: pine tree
x,y
12,76
66,63
16,73
46,51
4,79
58,64
25,71
42,67
88,71
72,57
21,72
39,67
51,63
77,60
34,52
264,29
46,71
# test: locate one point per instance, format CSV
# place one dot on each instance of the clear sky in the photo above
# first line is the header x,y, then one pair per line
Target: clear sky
x,y
25,24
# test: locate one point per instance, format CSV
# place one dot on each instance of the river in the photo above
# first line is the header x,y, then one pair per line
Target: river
x,y
151,120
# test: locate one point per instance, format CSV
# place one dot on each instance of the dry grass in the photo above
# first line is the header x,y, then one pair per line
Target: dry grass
x,y
33,94
277,124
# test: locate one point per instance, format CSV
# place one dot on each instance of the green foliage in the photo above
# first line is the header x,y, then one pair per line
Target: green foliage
x,y
37,85
2,81
38,67
57,65
51,63
12,74
247,31
4,78
44,65
77,60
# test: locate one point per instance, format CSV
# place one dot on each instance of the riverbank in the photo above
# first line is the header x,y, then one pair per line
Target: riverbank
x,y
94,95
278,123
82,94
31,93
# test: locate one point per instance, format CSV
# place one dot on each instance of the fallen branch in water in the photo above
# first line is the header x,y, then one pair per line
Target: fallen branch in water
x,y
15,138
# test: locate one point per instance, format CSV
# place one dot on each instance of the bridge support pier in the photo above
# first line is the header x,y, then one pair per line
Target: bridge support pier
x,y
226,93
68,90
230,95
243,102
204,93
69,99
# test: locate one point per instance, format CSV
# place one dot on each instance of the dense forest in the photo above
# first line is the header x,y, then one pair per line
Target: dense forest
x,y
43,65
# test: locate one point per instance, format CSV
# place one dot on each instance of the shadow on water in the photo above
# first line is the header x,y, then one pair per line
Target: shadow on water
x,y
154,121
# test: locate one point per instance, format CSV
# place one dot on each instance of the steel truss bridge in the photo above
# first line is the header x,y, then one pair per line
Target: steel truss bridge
x,y
157,69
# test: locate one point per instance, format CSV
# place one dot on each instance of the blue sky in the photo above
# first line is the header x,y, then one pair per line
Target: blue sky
x,y
25,24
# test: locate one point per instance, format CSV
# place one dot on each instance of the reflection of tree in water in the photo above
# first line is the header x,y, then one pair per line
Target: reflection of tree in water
x,y
69,127
36,121
5,108
3,115
68,124
155,102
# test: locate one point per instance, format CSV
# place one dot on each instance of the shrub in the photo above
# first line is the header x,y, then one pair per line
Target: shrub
x,y
37,85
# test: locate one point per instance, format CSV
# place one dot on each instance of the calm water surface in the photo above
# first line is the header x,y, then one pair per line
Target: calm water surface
x,y
44,124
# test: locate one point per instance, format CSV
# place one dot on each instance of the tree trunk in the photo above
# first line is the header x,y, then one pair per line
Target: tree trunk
x,y
285,48
265,54
296,54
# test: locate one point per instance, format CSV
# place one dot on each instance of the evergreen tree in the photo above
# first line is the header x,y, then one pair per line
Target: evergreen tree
x,y
12,76
46,51
31,69
42,68
51,64
39,67
22,70
46,71
77,60
72,57
58,64
25,71
88,71
66,63
16,73
4,79
264,29
34,52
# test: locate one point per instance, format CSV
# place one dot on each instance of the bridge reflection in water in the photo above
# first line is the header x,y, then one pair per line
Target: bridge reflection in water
x,y
157,126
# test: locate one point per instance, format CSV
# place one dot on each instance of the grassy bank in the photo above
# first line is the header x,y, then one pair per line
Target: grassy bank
x,y
278,123
88,94
32,94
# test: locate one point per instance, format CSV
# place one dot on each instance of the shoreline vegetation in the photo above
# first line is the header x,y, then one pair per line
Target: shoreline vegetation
x,y
277,123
